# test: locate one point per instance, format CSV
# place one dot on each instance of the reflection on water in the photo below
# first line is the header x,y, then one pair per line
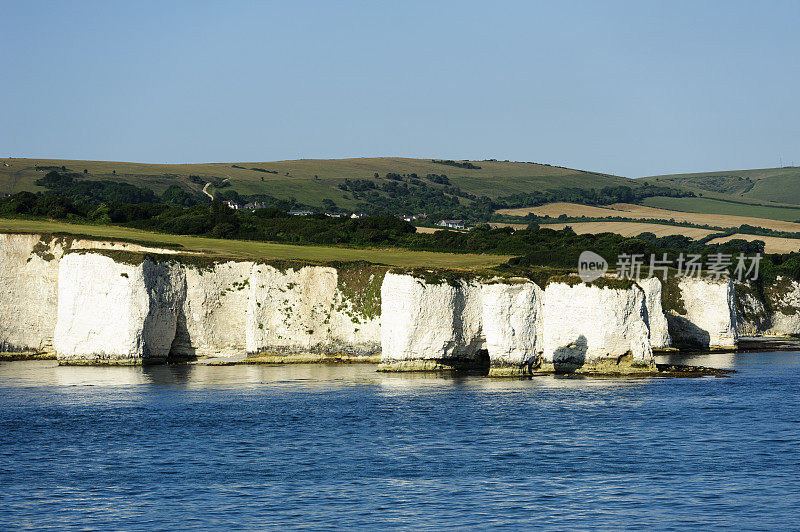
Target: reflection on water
x,y
326,446
307,376
729,360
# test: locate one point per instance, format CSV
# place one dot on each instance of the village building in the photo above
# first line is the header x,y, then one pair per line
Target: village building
x,y
451,224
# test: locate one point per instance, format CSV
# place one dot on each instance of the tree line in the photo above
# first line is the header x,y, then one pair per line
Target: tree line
x,y
534,246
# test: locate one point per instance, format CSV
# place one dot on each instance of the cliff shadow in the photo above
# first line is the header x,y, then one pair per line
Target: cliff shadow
x,y
568,358
170,375
685,334
472,355
181,349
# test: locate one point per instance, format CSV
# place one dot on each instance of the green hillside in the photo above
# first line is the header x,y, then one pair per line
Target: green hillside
x,y
717,205
780,185
309,181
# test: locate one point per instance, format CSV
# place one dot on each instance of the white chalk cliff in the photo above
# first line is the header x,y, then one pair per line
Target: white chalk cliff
x,y
111,311
709,319
102,309
515,321
512,323
657,322
29,270
76,296
303,310
786,304
584,323
28,293
213,318
429,320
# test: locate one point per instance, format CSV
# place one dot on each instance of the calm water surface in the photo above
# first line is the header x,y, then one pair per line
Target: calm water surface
x,y
343,446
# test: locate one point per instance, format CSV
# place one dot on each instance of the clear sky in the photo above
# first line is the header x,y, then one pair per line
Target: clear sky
x,y
631,88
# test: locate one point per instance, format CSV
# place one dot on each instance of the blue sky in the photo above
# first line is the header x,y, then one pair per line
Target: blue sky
x,y
631,88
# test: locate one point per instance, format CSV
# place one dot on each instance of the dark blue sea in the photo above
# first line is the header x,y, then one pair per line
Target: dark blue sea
x,y
333,447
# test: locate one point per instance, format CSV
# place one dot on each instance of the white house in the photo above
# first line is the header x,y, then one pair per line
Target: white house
x,y
451,224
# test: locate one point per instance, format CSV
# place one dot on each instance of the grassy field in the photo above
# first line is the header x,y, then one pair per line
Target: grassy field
x,y
263,250
311,180
715,206
629,210
767,184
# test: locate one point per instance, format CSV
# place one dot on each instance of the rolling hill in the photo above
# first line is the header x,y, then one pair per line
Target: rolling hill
x,y
310,181
445,187
781,185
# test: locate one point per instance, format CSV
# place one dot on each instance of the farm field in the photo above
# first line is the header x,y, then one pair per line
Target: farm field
x,y
631,229
264,250
716,207
630,210
559,208
772,244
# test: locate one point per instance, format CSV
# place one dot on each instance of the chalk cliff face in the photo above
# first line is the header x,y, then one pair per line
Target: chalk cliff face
x,y
115,312
512,322
29,266
752,317
657,322
215,315
28,292
710,317
91,305
213,318
430,321
584,323
785,301
303,310
518,323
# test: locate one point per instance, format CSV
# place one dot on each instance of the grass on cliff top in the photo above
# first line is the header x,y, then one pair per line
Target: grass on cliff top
x,y
244,249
